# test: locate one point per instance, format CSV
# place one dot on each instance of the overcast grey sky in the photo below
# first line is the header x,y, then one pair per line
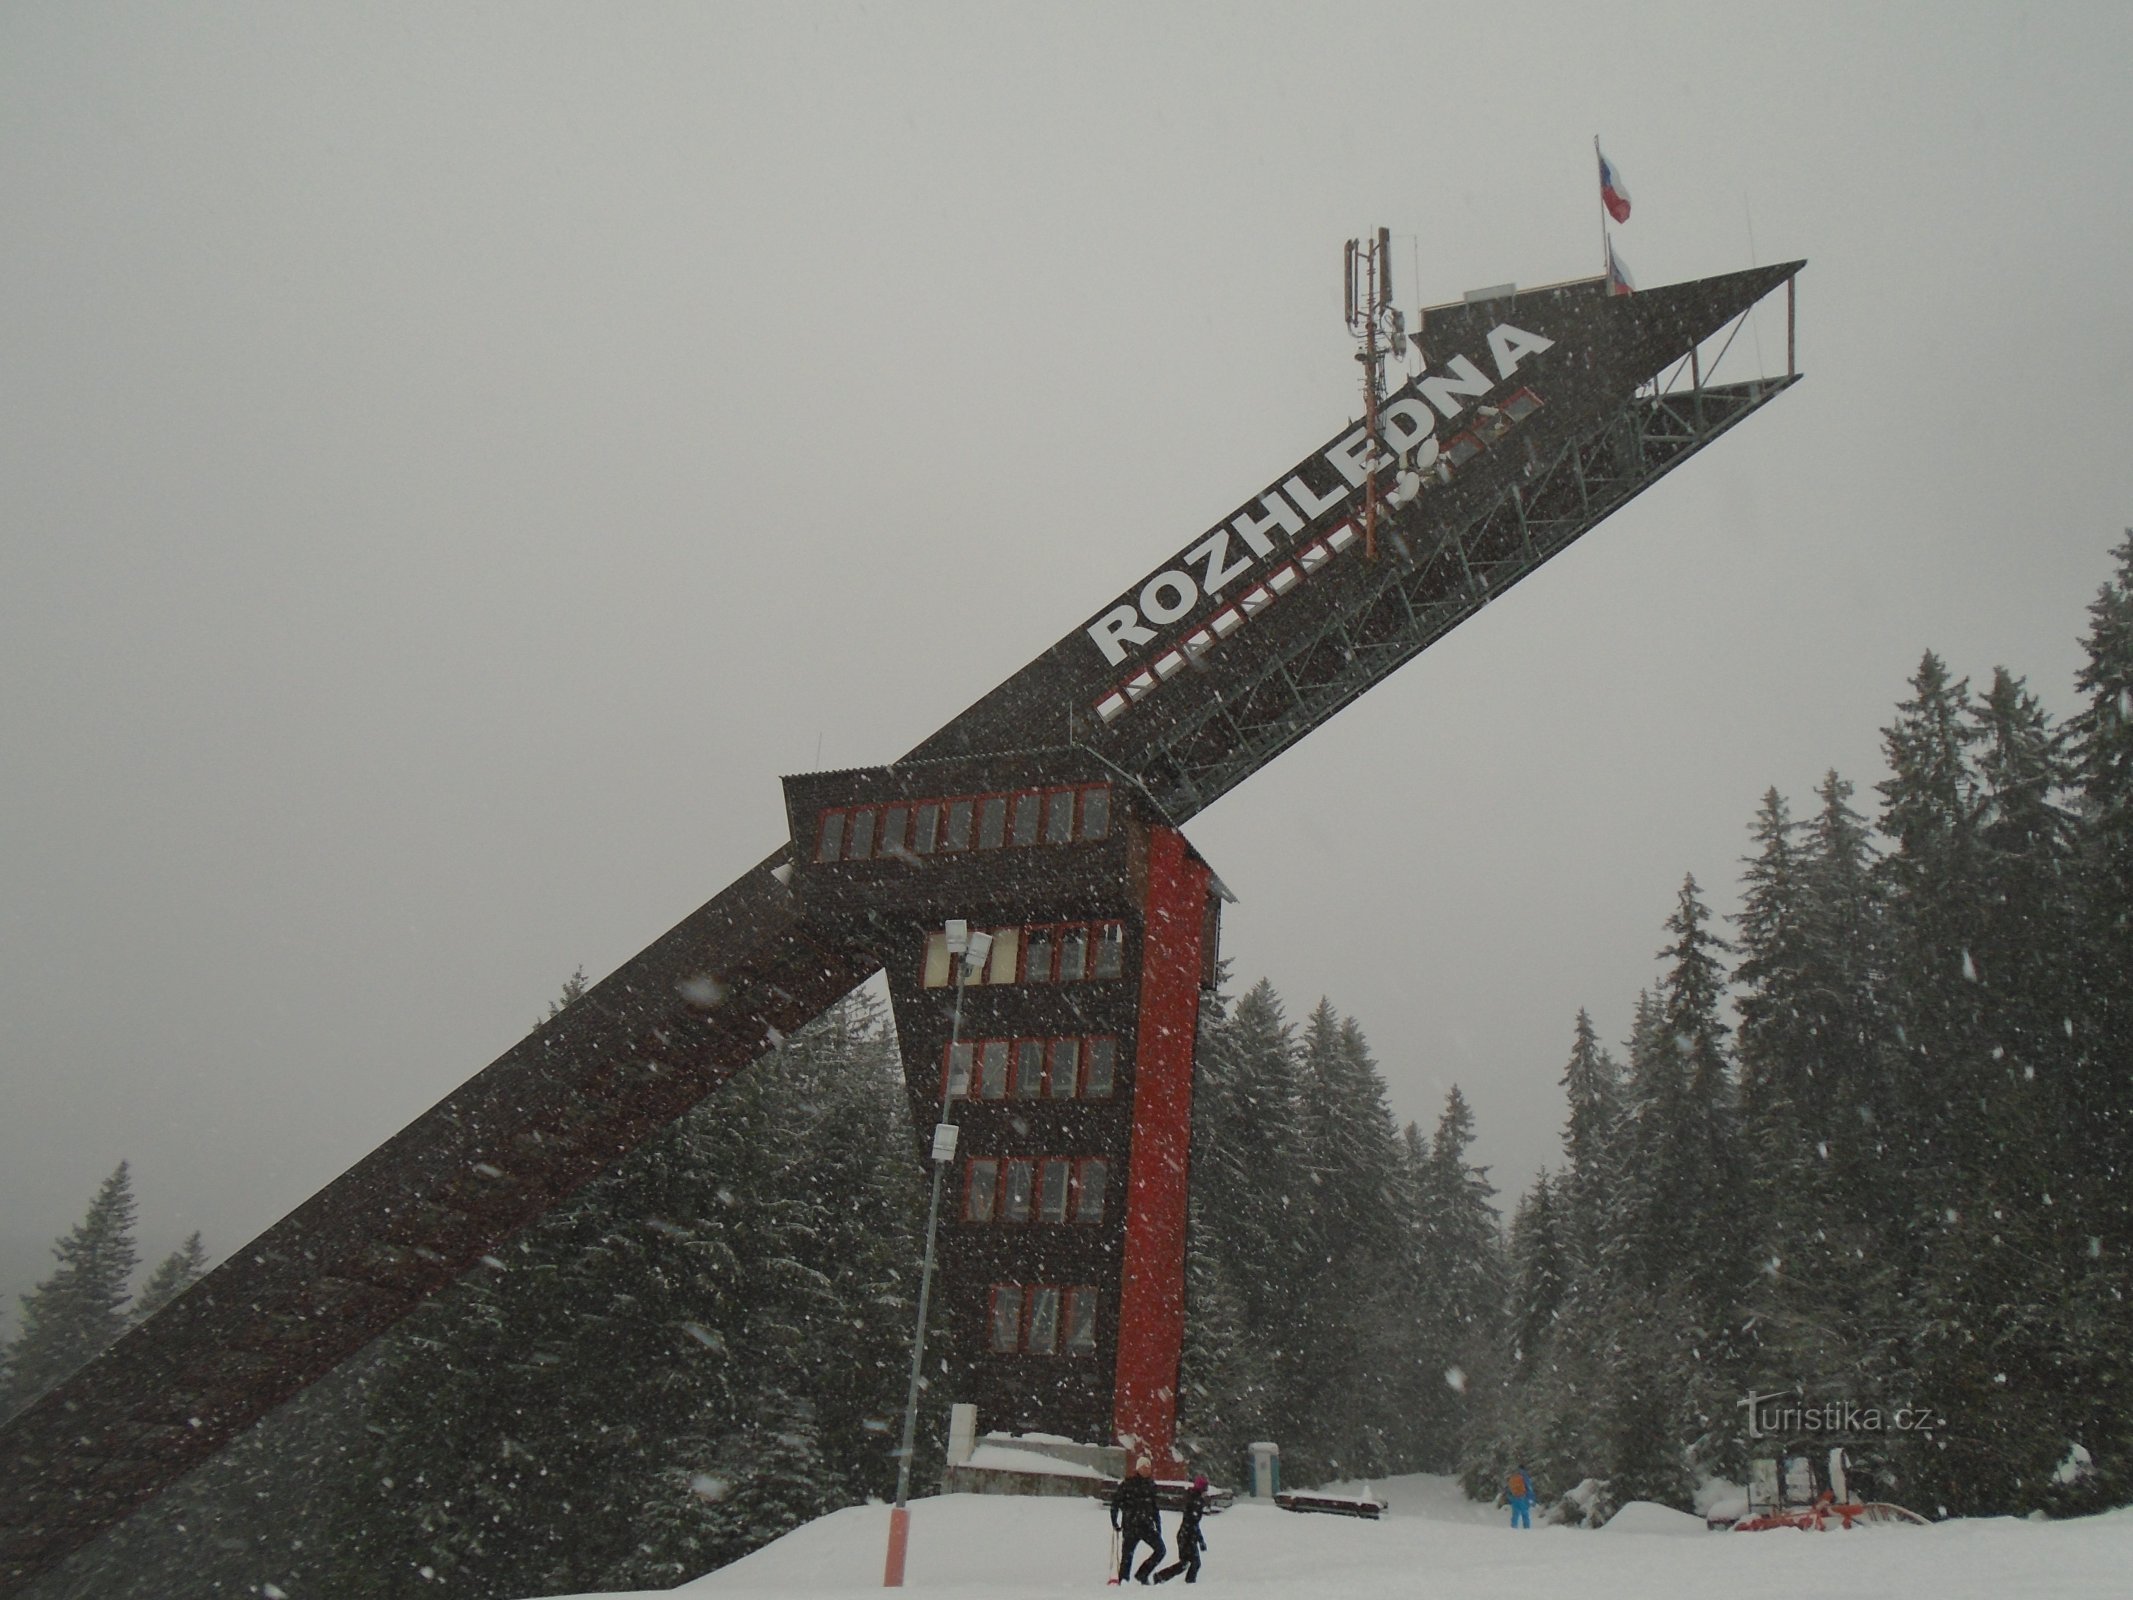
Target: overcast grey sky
x,y
453,458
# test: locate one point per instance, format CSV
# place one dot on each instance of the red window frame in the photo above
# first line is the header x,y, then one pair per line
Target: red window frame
x,y
1081,813
1031,800
977,827
1077,1203
1030,935
1051,1169
1074,940
1057,803
1009,1167
991,1191
1031,1295
1052,1065
986,1057
1016,1077
970,1083
829,836
1107,936
1078,1297
1088,1052
887,843
992,1318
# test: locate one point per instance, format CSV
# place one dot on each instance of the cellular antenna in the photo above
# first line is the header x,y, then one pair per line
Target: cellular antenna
x,y
1377,327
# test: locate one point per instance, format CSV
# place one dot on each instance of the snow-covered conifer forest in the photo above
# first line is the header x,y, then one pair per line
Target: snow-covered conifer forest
x,y
1869,1143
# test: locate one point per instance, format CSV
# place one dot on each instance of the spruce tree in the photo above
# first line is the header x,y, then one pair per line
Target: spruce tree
x,y
1809,1047
1463,1285
80,1308
743,1281
1592,1089
174,1274
2100,1043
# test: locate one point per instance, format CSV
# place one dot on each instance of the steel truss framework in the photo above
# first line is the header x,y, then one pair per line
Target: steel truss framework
x,y
1419,597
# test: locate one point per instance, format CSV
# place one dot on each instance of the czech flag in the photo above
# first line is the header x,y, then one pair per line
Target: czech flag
x,y
1614,193
1618,278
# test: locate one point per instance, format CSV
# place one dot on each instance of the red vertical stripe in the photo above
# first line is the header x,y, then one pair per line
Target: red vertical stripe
x,y
1151,1310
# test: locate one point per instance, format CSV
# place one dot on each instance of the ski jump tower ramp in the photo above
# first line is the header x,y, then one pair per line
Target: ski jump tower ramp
x,y
1048,812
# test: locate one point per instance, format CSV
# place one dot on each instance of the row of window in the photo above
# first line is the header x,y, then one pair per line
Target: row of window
x,y
1039,1318
980,821
1072,1068
1043,1189
1044,952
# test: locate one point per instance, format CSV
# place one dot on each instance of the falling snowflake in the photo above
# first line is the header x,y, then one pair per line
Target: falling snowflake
x,y
702,990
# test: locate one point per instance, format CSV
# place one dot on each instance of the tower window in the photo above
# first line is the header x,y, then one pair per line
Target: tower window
x,y
1054,1188
1006,1317
1096,811
992,1070
1037,963
1029,1068
934,970
1110,950
1029,817
960,1057
1089,1182
1015,1202
981,1184
1080,1319
1073,954
1061,1081
1059,817
1098,1061
1000,965
992,822
1043,1321
831,844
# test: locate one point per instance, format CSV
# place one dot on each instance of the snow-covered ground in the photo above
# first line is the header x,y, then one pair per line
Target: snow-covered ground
x,y
1436,1545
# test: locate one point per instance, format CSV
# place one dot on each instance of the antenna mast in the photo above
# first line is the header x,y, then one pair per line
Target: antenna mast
x,y
1377,328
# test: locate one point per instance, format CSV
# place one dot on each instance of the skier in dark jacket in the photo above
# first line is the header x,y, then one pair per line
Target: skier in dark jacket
x,y
1191,1541
1135,1515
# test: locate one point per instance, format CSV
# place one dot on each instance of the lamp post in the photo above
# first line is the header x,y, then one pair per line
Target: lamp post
x,y
968,950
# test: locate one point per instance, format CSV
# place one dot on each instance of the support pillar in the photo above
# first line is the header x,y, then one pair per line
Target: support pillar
x,y
1151,1313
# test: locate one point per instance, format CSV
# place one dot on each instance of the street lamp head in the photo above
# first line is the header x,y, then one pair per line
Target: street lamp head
x,y
979,948
958,936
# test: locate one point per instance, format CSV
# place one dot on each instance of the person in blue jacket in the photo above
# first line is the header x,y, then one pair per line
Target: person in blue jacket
x,y
1518,1489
